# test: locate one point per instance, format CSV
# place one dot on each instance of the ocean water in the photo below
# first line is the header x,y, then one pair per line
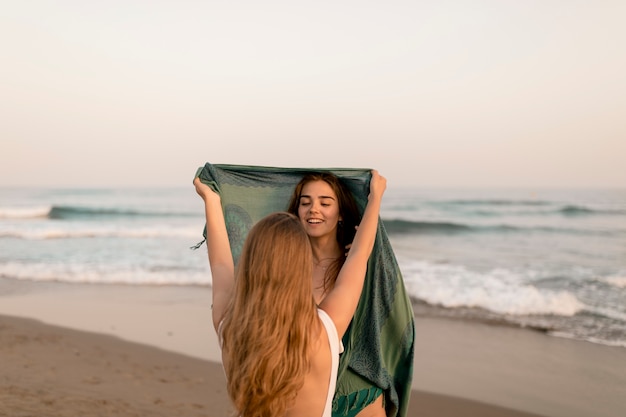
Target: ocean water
x,y
550,259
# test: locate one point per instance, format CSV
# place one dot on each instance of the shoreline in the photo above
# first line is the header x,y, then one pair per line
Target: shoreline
x,y
499,369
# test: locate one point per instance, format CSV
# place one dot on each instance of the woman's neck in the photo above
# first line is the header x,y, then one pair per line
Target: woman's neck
x,y
326,252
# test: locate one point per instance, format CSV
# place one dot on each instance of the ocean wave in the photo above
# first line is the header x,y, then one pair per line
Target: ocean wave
x,y
25,212
399,226
72,212
618,281
596,340
44,233
606,312
88,274
407,226
499,291
575,210
496,208
493,202
60,212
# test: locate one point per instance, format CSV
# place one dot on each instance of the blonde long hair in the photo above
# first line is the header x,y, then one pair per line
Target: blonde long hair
x,y
268,326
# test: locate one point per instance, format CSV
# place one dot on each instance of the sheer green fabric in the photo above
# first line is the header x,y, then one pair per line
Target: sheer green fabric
x,y
379,344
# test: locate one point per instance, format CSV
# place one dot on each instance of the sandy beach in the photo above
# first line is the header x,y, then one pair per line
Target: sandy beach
x,y
119,350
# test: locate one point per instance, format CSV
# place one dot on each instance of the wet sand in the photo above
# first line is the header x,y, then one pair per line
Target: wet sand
x,y
94,350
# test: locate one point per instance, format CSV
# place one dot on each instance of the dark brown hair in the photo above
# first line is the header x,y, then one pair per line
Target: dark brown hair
x,y
348,210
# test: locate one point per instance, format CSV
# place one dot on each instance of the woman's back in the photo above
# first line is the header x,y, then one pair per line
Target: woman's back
x,y
315,397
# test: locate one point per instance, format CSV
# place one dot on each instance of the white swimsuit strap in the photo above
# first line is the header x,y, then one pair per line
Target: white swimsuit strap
x,y
333,340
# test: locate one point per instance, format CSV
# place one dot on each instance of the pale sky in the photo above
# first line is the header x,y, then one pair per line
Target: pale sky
x,y
454,93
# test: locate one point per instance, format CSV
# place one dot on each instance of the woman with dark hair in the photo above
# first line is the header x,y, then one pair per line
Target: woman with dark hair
x,y
330,215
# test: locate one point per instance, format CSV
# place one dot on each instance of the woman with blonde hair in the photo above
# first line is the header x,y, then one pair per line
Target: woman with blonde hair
x,y
279,348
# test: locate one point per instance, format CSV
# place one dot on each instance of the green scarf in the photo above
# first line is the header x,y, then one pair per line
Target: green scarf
x,y
379,343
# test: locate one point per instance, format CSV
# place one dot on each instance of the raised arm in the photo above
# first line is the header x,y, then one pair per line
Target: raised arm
x,y
218,247
341,302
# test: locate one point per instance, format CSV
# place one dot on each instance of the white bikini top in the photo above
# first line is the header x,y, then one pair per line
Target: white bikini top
x,y
333,340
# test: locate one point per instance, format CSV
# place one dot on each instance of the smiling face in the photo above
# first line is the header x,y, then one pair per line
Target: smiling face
x,y
341,206
318,209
